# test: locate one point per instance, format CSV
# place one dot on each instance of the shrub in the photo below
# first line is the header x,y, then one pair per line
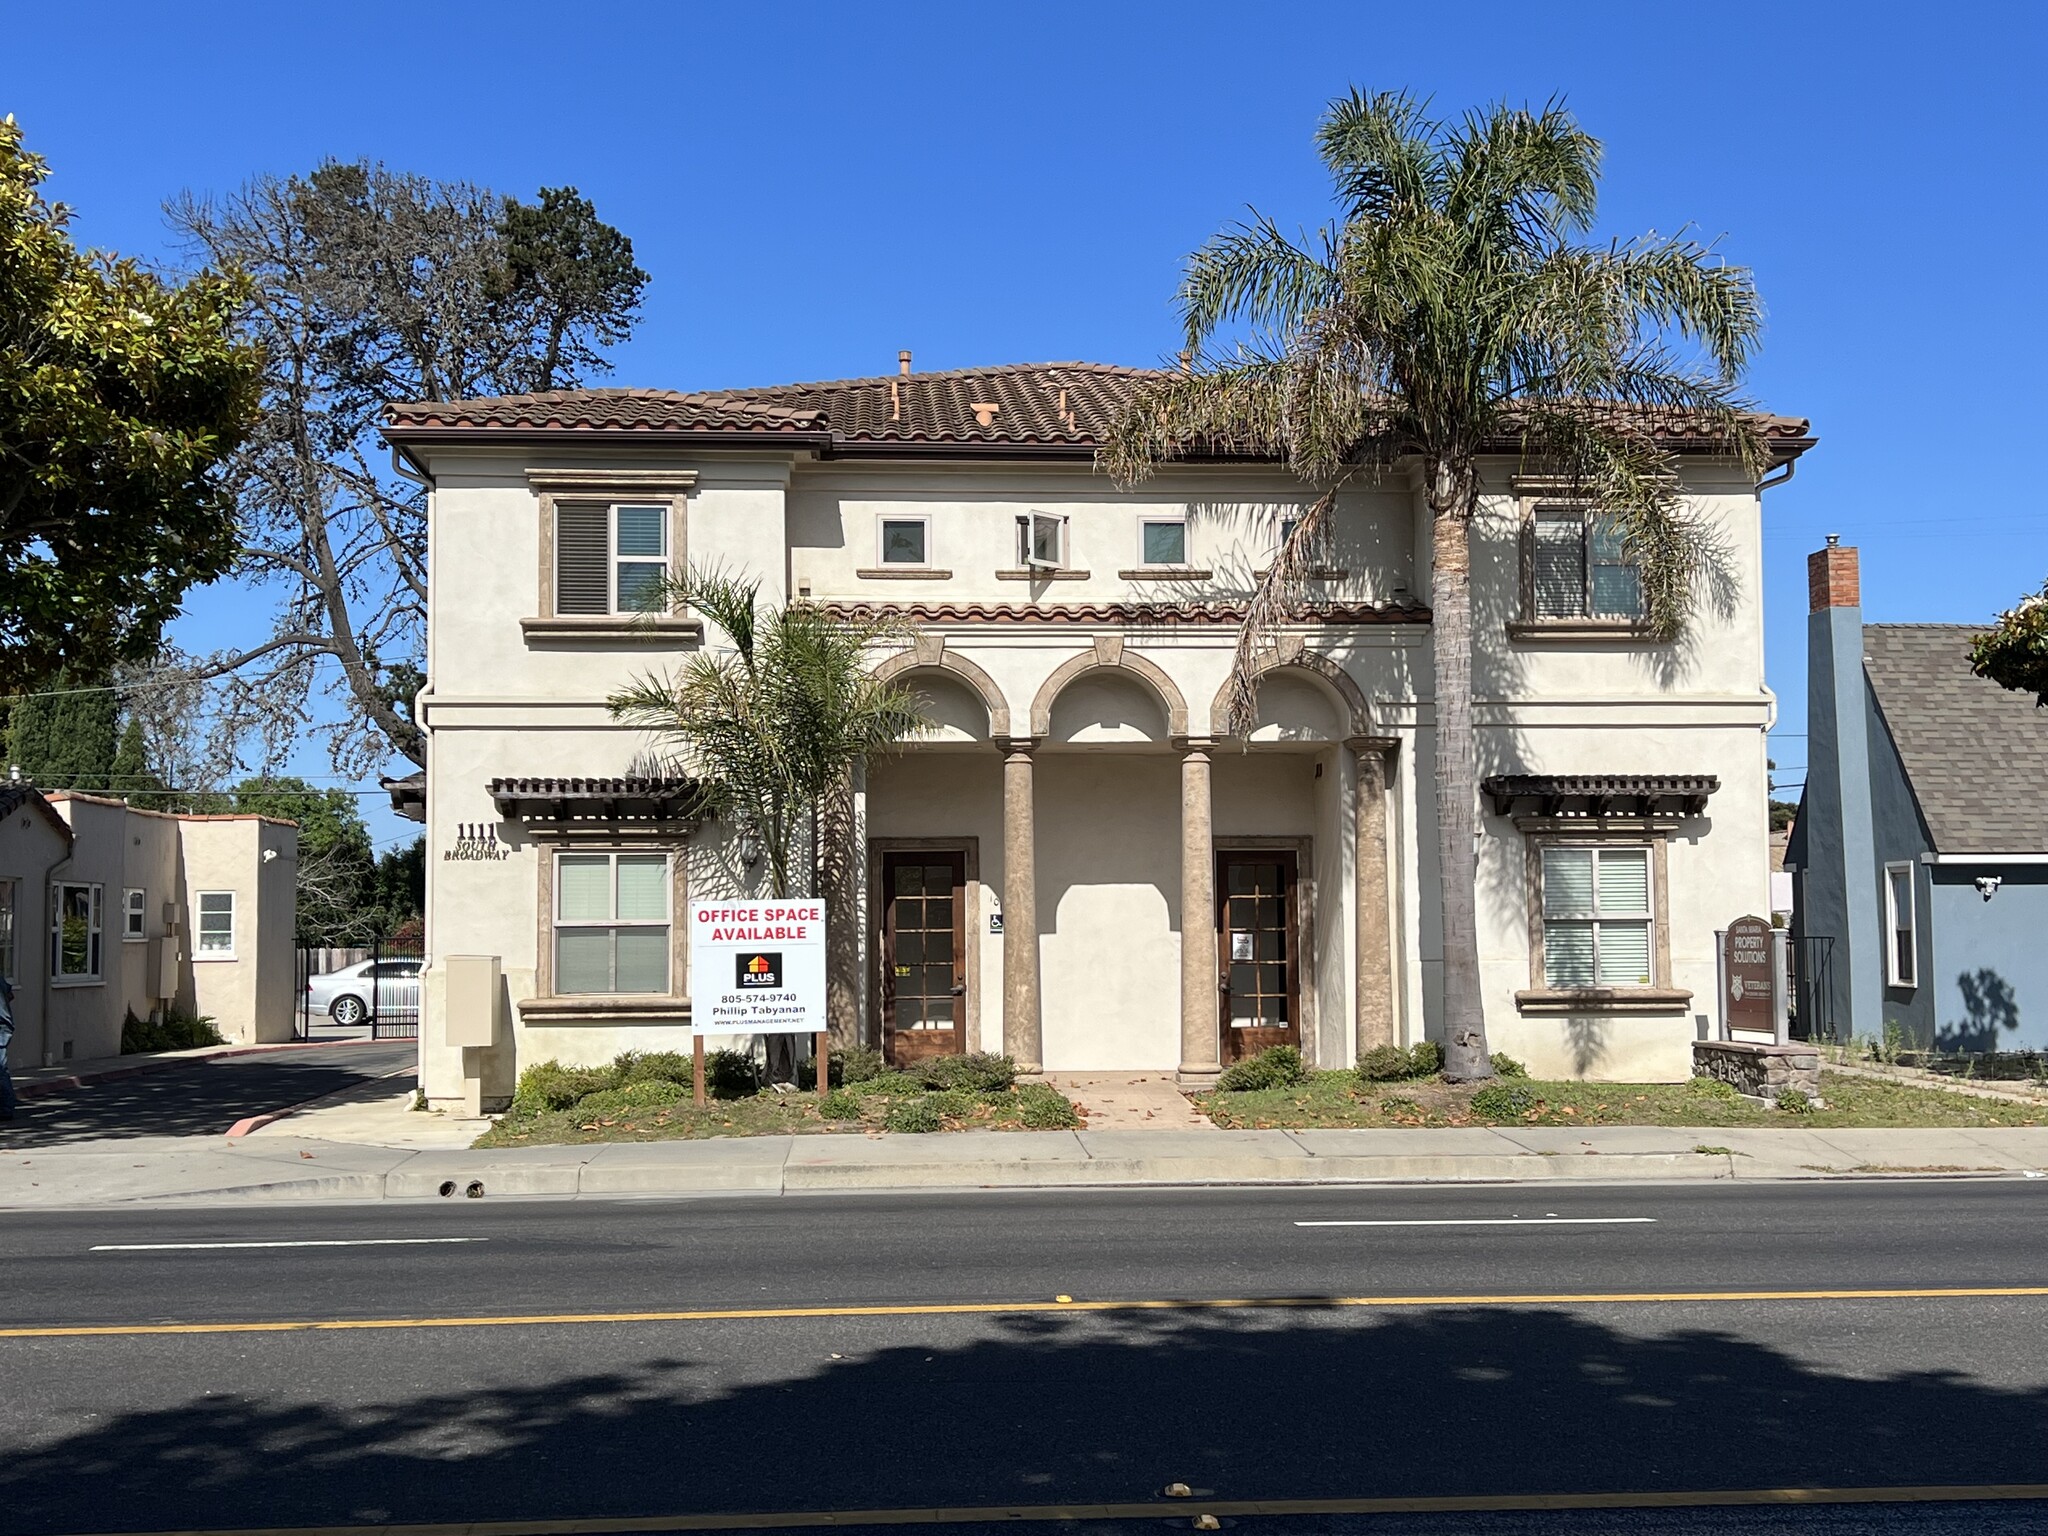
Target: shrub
x,y
1794,1101
839,1105
645,1093
914,1117
1386,1064
1278,1067
858,1063
1426,1058
731,1075
1505,1065
955,1102
1713,1088
655,1066
171,1031
889,1084
978,1071
1044,1108
549,1085
1505,1100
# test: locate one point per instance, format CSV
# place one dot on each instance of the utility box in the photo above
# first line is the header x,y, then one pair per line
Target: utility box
x,y
472,993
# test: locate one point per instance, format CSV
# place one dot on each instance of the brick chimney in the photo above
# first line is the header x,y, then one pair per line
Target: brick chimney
x,y
1832,577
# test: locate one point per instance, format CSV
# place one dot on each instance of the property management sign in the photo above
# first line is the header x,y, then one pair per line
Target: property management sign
x,y
757,967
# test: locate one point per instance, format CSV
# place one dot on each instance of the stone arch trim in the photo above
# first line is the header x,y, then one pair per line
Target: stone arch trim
x,y
1350,698
1111,658
926,659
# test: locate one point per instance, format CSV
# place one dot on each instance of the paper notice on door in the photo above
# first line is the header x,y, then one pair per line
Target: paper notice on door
x,y
1240,946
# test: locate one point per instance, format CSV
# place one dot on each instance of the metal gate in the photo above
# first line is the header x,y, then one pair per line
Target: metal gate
x,y
395,999
374,986
1813,988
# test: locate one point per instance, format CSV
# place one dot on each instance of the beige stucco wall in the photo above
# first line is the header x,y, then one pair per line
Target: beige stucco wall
x,y
251,996
30,848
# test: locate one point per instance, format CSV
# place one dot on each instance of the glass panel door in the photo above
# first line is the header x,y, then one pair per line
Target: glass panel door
x,y
1255,923
924,975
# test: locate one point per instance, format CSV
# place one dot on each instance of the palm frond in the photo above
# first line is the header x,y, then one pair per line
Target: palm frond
x,y
1381,153
1251,272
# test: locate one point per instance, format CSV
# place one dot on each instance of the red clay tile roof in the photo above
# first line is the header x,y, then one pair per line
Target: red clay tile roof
x,y
1139,613
1044,406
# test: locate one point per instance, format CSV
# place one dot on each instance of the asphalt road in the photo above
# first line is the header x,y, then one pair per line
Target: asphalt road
x,y
202,1096
1499,1373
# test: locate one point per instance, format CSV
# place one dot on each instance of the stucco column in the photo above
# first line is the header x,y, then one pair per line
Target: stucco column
x,y
1022,1040
1373,986
1200,1058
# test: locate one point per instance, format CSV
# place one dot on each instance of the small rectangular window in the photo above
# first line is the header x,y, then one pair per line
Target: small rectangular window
x,y
905,541
1041,540
1597,917
216,925
1162,541
610,559
1902,950
133,914
640,553
75,923
1580,568
611,923
10,905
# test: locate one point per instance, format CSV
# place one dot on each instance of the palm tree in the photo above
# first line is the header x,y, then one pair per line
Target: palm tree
x,y
1448,312
772,728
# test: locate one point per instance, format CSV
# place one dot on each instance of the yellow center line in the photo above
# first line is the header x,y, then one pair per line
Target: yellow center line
x,y
1179,1509
1005,1308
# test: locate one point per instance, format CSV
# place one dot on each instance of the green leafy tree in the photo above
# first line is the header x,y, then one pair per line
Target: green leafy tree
x,y
772,728
401,884
2015,654
1447,311
371,286
336,885
120,394
131,778
66,738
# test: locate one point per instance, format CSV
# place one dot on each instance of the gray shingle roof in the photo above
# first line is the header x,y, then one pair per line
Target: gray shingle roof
x,y
1975,753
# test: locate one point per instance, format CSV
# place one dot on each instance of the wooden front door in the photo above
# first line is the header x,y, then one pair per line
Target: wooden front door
x,y
924,955
1257,953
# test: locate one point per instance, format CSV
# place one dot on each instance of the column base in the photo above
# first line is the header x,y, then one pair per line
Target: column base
x,y
1197,1077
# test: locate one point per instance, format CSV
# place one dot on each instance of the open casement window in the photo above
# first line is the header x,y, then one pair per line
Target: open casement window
x,y
75,938
1041,541
216,926
1162,541
10,908
1599,916
1576,568
1901,949
612,922
610,558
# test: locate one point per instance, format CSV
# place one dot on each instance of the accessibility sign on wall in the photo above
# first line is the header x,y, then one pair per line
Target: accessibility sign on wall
x,y
757,967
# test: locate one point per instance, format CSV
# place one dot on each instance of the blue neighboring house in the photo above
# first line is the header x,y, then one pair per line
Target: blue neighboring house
x,y
1920,855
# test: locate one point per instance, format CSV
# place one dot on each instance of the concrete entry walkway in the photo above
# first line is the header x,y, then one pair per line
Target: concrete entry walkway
x,y
1130,1101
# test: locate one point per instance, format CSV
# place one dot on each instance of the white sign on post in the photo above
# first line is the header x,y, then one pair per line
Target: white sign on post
x,y
757,967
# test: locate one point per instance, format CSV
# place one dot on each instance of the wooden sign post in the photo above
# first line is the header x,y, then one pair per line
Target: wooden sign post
x,y
697,1068
824,1061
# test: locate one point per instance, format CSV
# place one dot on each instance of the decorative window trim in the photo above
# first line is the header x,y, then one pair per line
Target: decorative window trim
x,y
200,954
614,487
1659,996
882,522
671,1007
1165,519
1901,978
1041,573
1535,497
95,947
134,915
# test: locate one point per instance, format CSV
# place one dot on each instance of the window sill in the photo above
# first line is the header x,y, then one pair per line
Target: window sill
x,y
1314,573
208,959
134,938
598,626
903,573
1579,629
78,981
1030,573
1644,1000
606,1008
1164,573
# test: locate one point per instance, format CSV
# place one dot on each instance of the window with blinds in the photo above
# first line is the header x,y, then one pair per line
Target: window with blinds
x,y
609,559
611,923
1580,568
1597,917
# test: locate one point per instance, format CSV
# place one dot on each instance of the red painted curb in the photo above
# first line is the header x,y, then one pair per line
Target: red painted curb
x,y
44,1086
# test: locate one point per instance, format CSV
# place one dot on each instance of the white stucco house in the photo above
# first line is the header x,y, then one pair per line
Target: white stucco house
x,y
1080,867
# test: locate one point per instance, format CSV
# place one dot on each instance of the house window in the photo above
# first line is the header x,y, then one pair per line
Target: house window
x,y
905,541
216,925
1597,917
610,559
10,904
1578,567
75,920
611,923
1901,953
132,908
1042,541
1162,541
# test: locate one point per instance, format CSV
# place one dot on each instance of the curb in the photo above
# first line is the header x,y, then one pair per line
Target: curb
x,y
43,1087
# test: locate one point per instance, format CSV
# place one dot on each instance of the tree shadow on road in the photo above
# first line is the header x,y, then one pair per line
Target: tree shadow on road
x,y
1039,1409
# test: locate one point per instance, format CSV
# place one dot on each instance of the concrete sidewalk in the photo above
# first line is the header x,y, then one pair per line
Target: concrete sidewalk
x,y
281,1168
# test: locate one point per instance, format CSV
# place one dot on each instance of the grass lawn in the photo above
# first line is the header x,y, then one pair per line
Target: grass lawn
x,y
888,1103
1338,1099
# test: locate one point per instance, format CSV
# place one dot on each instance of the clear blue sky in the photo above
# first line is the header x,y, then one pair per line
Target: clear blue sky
x,y
814,187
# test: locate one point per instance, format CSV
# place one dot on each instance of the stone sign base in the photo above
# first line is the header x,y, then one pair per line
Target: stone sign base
x,y
1760,1071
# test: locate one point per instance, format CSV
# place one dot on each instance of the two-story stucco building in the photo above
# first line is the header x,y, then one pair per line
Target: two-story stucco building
x,y
1079,866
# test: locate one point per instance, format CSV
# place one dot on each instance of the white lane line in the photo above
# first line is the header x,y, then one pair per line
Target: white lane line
x,y
1500,1221
330,1242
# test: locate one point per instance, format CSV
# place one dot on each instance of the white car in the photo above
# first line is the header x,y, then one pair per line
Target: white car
x,y
346,994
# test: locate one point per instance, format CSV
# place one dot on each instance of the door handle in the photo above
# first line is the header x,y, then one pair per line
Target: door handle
x,y
959,987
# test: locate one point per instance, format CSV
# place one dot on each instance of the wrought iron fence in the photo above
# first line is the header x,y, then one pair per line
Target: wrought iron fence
x,y
1813,988
377,985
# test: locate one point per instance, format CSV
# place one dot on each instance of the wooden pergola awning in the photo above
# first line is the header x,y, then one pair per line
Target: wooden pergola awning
x,y
598,802
1599,796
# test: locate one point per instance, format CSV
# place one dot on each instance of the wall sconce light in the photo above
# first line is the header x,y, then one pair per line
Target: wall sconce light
x,y
750,851
1987,885
269,854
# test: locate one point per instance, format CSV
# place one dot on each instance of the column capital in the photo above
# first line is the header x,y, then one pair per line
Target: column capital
x,y
1195,745
1017,746
1375,746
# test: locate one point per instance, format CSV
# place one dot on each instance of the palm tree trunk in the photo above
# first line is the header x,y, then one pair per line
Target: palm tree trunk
x,y
1451,498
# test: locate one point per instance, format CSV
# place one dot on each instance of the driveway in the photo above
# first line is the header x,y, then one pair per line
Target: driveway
x,y
203,1096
